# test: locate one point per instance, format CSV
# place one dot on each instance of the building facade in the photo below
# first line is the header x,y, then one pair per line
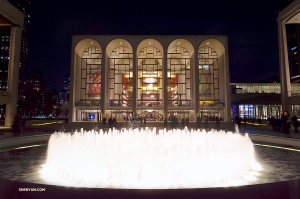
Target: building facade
x,y
149,76
256,100
24,7
11,23
290,98
294,52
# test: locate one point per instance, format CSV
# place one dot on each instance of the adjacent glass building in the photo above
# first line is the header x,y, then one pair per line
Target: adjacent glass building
x,y
153,77
290,97
11,25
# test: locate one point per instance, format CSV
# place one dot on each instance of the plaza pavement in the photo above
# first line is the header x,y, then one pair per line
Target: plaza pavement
x,y
38,127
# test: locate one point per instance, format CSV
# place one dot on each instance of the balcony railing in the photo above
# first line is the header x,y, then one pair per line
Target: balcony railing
x,y
87,103
180,105
118,104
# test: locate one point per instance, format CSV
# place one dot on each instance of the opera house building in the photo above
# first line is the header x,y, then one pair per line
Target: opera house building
x,y
149,76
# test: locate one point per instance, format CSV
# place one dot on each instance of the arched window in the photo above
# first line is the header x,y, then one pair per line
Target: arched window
x,y
91,76
150,77
208,75
179,77
120,77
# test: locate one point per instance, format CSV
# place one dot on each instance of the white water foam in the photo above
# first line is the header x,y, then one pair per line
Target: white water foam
x,y
150,159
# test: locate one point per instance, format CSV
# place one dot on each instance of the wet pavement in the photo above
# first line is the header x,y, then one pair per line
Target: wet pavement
x,y
288,188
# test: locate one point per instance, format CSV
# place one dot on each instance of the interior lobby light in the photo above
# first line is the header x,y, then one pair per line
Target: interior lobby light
x,y
207,43
150,80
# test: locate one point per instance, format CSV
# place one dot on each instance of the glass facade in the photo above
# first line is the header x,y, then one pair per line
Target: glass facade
x,y
4,56
90,84
179,77
251,111
296,110
246,88
210,104
150,81
150,74
208,75
120,77
179,82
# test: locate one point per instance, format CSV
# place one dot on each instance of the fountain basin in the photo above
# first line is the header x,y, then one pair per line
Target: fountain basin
x,y
279,179
147,159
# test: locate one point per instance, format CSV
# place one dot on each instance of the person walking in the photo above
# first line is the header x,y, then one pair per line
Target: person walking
x,y
285,122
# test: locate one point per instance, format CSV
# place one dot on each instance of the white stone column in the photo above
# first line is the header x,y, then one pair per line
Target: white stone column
x,y
104,80
195,75
134,80
73,74
165,80
227,114
284,66
13,74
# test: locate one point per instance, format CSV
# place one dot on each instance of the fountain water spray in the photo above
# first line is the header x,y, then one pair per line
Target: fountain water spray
x,y
149,159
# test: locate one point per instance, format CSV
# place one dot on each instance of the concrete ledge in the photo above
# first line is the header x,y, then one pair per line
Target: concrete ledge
x,y
45,137
24,140
275,140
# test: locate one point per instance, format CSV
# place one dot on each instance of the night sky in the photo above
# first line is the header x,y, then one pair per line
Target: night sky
x,y
251,28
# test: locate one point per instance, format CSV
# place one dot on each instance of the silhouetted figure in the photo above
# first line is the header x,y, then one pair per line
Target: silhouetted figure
x,y
104,122
238,121
245,121
295,123
110,122
206,122
285,122
17,124
165,123
217,122
174,122
144,121
114,122
198,121
273,123
259,121
278,125
187,121
182,122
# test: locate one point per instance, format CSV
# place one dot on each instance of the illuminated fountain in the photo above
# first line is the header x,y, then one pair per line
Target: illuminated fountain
x,y
149,159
